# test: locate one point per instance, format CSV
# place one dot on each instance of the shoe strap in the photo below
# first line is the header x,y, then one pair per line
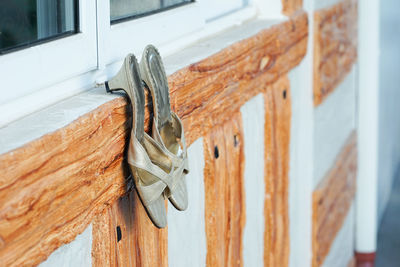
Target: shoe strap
x,y
138,158
181,158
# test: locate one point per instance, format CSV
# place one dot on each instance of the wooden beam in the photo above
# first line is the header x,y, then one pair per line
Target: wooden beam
x,y
53,187
291,6
224,193
123,235
335,46
228,79
276,145
332,200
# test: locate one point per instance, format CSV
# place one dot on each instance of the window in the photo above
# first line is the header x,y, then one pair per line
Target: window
x,y
127,9
52,49
119,39
45,64
25,22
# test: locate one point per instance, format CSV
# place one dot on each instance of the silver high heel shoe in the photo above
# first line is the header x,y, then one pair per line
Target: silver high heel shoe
x,y
150,180
167,127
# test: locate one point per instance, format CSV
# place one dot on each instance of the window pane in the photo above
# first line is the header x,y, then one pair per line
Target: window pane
x,y
24,22
125,9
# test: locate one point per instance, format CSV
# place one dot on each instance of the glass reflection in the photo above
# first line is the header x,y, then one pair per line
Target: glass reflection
x,y
24,22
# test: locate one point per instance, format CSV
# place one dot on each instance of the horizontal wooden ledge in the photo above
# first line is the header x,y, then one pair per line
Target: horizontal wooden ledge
x,y
53,186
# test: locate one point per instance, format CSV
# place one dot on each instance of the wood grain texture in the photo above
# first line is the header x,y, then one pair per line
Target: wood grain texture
x,y
228,79
224,193
289,7
335,46
277,139
140,243
332,200
51,188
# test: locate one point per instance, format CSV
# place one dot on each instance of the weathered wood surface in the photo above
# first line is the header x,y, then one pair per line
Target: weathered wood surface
x,y
52,187
224,193
332,200
138,243
225,81
335,46
291,6
277,140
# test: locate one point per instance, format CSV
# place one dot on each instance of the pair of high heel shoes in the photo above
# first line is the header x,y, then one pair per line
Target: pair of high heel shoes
x,y
158,163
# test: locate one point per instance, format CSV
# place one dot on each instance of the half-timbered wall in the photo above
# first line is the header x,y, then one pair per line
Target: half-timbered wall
x,y
80,180
269,111
335,139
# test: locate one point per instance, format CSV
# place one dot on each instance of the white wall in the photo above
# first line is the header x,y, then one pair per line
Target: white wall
x,y
342,249
186,230
301,165
78,253
253,115
333,122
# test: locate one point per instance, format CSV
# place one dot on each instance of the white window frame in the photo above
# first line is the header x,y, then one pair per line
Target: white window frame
x,y
28,70
77,63
212,9
131,36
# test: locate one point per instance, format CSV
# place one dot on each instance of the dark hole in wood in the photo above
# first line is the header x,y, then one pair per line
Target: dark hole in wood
x,y
235,140
119,234
284,94
216,152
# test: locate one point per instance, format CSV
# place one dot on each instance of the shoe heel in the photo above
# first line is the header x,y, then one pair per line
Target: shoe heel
x,y
119,81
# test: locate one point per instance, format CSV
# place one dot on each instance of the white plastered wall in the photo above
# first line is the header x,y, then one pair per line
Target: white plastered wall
x,y
186,230
301,154
342,249
253,115
334,120
301,166
78,253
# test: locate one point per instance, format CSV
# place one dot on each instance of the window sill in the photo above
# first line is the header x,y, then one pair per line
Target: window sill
x,y
75,147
